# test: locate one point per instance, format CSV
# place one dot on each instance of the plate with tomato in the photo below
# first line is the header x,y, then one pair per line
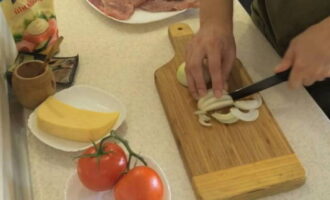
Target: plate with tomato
x,y
108,172
75,189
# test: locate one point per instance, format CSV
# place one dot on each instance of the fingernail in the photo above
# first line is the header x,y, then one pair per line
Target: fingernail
x,y
217,93
277,68
226,86
195,96
201,93
293,86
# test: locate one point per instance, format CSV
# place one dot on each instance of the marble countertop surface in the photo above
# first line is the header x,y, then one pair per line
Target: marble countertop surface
x,y
121,59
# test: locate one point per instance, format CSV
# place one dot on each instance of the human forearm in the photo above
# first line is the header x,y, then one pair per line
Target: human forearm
x,y
327,20
326,24
217,13
214,41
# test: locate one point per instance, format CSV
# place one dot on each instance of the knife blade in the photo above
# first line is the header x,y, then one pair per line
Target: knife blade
x,y
261,85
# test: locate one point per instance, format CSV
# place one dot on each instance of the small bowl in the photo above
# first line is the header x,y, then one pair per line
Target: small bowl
x,y
75,190
83,97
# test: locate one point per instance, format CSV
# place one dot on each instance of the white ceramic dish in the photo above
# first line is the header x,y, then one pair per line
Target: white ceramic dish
x,y
84,97
141,16
74,189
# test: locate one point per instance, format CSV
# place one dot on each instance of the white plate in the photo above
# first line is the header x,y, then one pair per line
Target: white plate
x,y
75,190
140,16
84,97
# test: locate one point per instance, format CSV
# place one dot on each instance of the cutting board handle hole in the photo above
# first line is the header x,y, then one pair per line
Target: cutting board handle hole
x,y
180,28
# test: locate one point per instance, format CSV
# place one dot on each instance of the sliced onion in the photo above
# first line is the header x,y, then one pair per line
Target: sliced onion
x,y
249,116
202,100
209,98
200,112
249,104
218,105
210,103
204,120
214,99
227,118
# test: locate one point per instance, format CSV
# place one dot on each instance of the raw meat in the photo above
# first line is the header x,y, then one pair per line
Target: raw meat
x,y
137,3
119,9
168,5
124,9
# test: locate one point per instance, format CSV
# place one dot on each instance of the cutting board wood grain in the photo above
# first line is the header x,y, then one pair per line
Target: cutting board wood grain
x,y
239,161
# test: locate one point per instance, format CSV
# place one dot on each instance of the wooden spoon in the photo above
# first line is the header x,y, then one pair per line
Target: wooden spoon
x,y
53,50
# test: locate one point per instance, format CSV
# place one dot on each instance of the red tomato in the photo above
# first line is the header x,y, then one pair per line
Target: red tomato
x,y
141,183
102,172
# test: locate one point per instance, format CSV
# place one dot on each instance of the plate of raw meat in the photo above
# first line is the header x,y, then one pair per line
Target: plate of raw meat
x,y
141,11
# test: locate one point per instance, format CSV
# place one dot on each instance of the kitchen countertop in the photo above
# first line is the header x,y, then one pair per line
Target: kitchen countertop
x,y
122,59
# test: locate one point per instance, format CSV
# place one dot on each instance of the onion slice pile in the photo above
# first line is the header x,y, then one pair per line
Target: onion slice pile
x,y
249,104
227,118
245,110
204,120
249,116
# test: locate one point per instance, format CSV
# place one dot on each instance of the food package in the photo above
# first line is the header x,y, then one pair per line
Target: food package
x,y
8,51
32,22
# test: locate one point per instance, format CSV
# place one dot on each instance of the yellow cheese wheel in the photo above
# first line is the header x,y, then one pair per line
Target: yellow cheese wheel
x,y
65,121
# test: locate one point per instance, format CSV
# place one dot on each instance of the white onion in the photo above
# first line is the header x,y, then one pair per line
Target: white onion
x,y
200,112
210,103
227,118
249,104
249,116
201,101
214,99
182,77
209,98
218,105
204,120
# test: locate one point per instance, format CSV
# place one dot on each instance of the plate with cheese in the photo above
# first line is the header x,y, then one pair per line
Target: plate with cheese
x,y
73,118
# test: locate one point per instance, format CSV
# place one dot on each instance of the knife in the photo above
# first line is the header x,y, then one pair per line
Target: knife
x,y
261,85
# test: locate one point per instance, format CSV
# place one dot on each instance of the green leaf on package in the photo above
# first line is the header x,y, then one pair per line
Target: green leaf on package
x,y
18,37
27,23
43,16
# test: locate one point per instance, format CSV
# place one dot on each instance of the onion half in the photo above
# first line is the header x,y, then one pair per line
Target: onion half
x,y
182,78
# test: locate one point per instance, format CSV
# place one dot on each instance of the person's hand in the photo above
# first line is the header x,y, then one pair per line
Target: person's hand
x,y
308,55
217,45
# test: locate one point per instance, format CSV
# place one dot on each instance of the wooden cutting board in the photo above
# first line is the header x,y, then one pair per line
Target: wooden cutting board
x,y
239,161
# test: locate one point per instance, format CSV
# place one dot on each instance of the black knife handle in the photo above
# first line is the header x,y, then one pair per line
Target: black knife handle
x,y
284,75
261,85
